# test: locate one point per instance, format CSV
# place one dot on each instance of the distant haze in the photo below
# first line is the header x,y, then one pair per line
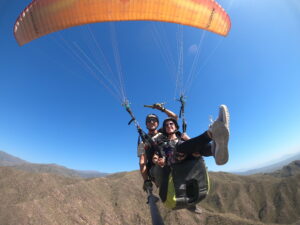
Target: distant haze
x,y
12,161
270,167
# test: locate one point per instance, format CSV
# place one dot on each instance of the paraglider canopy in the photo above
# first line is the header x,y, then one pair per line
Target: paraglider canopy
x,y
42,17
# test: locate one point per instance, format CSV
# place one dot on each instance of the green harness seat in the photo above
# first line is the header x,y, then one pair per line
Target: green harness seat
x,y
184,184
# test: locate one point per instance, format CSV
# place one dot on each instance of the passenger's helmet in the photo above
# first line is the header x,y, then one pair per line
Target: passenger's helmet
x,y
170,119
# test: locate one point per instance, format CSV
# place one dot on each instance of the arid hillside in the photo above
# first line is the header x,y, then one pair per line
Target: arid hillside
x,y
15,162
48,199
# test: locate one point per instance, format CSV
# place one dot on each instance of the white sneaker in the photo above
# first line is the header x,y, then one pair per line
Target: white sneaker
x,y
219,130
224,116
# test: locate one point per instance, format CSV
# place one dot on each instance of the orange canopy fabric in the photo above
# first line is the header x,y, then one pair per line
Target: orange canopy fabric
x,y
42,17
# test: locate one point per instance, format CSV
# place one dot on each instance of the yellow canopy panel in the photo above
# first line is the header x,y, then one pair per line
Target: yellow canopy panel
x,y
42,17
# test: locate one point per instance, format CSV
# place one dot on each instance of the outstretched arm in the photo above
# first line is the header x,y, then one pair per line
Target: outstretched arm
x,y
167,111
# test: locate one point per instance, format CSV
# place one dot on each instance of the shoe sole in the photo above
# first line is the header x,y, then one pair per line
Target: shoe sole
x,y
220,136
225,115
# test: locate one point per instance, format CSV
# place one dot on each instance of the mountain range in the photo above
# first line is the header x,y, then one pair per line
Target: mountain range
x,y
273,166
15,162
45,198
10,160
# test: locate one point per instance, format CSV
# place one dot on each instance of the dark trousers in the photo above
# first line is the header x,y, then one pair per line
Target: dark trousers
x,y
200,144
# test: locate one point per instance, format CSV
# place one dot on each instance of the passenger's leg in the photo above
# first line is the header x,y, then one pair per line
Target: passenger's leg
x,y
156,173
207,150
197,144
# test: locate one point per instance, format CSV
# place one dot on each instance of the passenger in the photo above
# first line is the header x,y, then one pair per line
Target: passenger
x,y
152,123
174,149
213,142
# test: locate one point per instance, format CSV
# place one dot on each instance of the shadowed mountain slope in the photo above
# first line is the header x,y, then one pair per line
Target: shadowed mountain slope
x,y
33,198
272,167
289,170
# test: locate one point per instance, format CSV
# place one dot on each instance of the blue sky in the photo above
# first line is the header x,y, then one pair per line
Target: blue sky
x,y
54,111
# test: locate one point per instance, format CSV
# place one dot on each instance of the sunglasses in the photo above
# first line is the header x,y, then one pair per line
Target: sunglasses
x,y
169,124
152,120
